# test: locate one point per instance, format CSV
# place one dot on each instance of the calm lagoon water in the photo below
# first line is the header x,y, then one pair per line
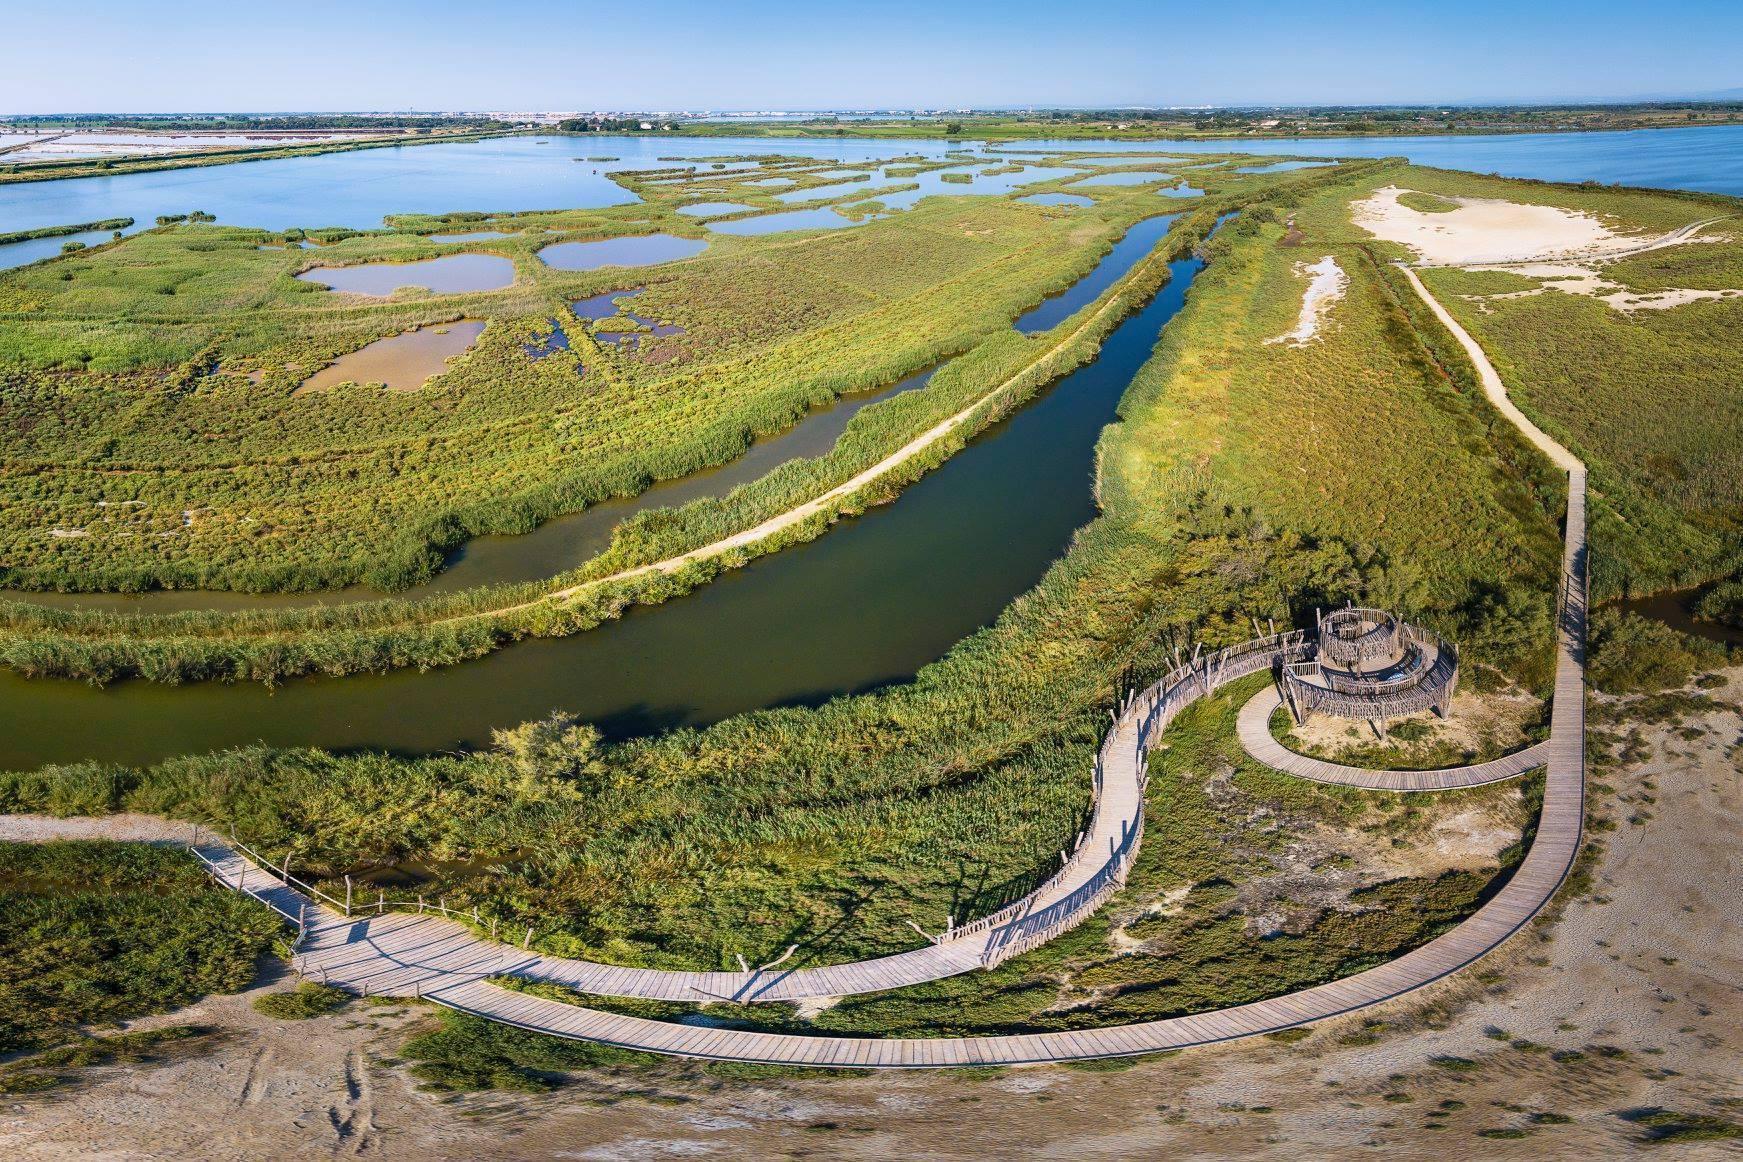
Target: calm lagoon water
x,y
822,218
637,250
359,189
450,274
1130,178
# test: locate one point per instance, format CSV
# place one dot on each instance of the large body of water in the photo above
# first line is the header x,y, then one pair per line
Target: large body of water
x,y
358,189
868,603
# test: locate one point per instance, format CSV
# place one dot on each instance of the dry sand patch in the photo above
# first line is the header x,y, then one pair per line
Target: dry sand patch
x,y
1327,283
1564,249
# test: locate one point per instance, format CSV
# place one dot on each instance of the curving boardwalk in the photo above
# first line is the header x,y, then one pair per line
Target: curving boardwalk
x,y
1253,728
445,962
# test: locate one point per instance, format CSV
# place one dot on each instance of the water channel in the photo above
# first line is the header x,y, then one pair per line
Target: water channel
x,y
868,603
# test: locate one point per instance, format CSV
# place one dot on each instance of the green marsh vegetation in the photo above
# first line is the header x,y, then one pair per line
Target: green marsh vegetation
x,y
953,794
57,231
275,643
141,453
1230,901
92,933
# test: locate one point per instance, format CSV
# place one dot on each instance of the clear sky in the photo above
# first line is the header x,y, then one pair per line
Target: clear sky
x,y
256,55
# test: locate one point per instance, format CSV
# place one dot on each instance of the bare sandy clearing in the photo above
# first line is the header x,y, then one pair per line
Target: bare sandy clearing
x,y
1326,286
1566,249
1483,232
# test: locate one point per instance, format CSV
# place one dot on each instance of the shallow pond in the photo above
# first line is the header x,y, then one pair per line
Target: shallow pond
x,y
639,250
1124,179
400,362
453,274
822,218
1677,610
1183,190
557,340
1283,166
1057,200
15,254
714,209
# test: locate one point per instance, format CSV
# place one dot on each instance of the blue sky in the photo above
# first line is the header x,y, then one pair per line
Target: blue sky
x,y
764,54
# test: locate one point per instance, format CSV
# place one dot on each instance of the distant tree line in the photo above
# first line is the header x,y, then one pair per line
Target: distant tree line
x,y
609,124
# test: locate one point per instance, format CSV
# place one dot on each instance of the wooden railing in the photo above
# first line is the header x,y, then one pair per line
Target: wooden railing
x,y
1022,926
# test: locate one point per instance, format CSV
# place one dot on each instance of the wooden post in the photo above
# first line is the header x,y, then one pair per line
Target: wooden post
x,y
284,872
347,895
528,941
380,902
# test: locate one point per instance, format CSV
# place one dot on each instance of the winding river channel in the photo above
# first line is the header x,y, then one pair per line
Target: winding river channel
x,y
867,604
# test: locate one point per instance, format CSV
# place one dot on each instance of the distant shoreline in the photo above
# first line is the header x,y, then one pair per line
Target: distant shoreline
x,y
986,129
54,170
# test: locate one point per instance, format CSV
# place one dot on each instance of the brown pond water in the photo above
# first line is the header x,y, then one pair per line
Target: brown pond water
x,y
450,275
400,362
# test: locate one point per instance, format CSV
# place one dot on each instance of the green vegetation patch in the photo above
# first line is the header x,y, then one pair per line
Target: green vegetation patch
x,y
94,932
1426,203
306,1000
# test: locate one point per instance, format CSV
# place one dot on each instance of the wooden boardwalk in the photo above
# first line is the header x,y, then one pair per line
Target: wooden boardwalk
x,y
422,952
1253,728
444,961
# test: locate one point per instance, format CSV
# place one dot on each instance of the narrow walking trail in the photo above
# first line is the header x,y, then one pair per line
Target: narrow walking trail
x,y
444,961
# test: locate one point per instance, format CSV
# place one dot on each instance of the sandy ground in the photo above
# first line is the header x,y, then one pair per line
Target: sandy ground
x,y
1588,279
1484,231
1650,963
1480,724
1326,285
1564,249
